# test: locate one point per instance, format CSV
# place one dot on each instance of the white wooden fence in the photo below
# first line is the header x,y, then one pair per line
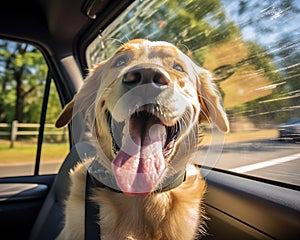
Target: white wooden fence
x,y
12,130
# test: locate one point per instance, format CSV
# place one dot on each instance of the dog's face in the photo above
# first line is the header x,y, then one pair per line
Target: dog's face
x,y
144,105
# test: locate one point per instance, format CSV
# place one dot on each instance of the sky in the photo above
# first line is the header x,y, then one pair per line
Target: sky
x,y
270,20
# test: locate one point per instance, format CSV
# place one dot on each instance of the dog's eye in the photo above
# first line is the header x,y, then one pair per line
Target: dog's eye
x,y
178,67
121,61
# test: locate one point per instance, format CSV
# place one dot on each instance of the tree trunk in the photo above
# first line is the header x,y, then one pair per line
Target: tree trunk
x,y
20,96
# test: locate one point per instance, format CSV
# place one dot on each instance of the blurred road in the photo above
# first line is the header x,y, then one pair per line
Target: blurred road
x,y
271,159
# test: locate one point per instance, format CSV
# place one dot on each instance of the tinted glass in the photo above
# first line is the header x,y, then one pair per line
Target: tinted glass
x,y
252,49
23,73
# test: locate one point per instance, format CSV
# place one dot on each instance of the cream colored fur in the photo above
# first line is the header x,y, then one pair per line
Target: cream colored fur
x,y
176,214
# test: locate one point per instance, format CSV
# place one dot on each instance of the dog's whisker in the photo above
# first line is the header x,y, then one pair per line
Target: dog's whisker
x,y
116,40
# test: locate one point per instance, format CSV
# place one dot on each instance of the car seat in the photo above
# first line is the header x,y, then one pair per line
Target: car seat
x,y
50,219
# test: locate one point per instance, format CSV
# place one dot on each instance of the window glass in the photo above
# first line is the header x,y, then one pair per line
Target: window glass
x,y
56,141
23,73
252,48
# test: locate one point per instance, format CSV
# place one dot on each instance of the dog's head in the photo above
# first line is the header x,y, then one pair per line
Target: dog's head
x,y
144,105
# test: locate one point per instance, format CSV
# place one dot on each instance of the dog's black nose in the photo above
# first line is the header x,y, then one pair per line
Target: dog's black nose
x,y
144,76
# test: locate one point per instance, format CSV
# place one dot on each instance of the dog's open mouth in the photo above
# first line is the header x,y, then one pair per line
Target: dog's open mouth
x,y
142,145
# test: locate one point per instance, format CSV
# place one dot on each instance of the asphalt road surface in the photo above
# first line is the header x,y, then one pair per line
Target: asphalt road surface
x,y
271,159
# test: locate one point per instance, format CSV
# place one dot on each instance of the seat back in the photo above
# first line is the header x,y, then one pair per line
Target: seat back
x,y
50,220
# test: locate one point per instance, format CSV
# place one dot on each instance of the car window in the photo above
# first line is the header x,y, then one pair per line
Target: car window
x,y
252,48
23,81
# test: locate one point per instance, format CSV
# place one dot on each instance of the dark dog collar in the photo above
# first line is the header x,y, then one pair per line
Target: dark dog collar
x,y
101,177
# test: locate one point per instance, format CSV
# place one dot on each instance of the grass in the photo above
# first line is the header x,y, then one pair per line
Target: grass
x,y
25,152
242,136
251,135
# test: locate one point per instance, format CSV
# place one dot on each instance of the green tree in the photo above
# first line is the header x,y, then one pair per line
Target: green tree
x,y
191,25
265,71
22,77
277,21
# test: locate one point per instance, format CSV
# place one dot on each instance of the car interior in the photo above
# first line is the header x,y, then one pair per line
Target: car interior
x,y
72,35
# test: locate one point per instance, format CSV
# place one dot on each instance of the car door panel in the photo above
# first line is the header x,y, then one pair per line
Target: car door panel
x,y
259,210
20,201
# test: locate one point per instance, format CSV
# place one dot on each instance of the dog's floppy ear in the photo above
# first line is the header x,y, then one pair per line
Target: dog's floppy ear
x,y
84,98
210,101
66,115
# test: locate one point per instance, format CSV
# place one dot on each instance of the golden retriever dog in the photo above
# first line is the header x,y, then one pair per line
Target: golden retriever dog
x,y
144,106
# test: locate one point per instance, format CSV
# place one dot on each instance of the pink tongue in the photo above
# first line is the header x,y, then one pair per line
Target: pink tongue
x,y
140,162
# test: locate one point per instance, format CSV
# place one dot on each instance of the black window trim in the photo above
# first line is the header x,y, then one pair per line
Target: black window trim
x,y
42,122
99,24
